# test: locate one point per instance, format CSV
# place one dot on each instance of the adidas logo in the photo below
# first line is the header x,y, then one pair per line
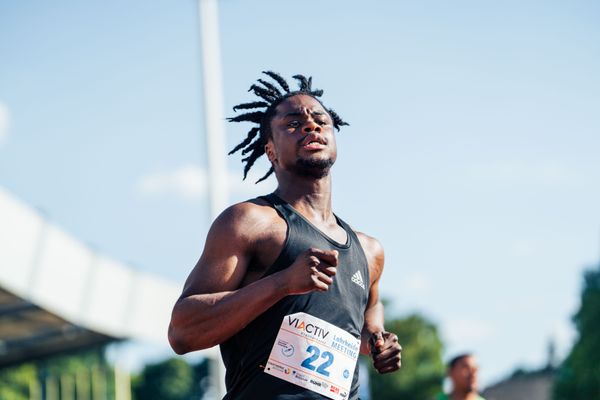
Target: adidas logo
x,y
357,278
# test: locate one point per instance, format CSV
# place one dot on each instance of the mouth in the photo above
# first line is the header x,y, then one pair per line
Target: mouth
x,y
313,142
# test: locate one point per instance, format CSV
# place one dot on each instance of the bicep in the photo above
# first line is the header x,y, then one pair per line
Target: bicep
x,y
373,295
375,259
224,260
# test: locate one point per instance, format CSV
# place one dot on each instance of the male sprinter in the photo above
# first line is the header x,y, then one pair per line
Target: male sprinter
x,y
286,288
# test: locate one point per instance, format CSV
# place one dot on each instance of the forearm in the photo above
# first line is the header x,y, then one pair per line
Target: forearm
x,y
205,320
373,323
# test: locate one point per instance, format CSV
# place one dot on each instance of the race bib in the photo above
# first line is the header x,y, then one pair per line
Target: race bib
x,y
314,354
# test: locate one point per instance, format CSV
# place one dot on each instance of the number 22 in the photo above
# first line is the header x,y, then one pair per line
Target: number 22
x,y
322,369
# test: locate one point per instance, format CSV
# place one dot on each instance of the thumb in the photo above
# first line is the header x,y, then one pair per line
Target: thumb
x,y
377,342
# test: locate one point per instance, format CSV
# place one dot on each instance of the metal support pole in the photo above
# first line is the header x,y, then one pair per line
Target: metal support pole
x,y
82,384
67,387
213,106
122,384
215,137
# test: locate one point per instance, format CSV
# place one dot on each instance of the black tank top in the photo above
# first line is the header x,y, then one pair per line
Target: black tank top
x,y
245,354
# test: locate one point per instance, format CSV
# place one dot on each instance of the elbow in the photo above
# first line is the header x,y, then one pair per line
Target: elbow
x,y
183,341
178,333
189,333
178,344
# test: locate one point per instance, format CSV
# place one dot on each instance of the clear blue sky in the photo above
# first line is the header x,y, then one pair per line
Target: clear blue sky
x,y
472,152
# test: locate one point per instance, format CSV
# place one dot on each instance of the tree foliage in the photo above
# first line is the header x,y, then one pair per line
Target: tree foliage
x,y
15,381
422,372
579,375
171,379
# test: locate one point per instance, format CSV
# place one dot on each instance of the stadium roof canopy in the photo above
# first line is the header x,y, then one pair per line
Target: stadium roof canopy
x,y
57,294
28,332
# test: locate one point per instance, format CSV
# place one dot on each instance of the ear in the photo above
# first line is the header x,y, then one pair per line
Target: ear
x,y
270,151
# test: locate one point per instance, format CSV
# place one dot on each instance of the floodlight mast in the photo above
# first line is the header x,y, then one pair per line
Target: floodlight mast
x,y
214,117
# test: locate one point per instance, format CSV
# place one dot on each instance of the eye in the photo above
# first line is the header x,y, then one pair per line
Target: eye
x,y
293,124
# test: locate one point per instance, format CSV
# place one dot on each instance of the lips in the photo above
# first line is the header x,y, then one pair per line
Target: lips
x,y
313,141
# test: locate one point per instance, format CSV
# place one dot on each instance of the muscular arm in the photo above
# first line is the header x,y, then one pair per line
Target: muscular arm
x,y
374,313
382,346
214,306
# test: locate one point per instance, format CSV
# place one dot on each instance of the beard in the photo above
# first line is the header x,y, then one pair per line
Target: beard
x,y
314,168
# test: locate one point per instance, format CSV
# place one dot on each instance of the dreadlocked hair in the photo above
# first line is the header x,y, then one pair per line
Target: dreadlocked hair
x,y
271,96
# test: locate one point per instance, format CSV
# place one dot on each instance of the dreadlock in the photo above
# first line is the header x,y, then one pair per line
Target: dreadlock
x,y
271,96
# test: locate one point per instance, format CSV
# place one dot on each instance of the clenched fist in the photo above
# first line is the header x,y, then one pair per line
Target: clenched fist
x,y
313,270
385,351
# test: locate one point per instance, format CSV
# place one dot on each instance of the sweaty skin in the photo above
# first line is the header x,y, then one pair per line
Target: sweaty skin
x,y
222,294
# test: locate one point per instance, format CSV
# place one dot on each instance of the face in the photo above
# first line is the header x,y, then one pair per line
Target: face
x,y
302,137
464,375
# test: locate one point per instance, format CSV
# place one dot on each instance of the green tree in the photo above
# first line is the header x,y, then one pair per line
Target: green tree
x,y
172,379
15,381
201,378
579,375
422,372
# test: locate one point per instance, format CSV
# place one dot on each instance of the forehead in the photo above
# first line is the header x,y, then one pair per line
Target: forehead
x,y
468,361
299,104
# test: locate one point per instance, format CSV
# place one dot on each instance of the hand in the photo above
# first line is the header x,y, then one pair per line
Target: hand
x,y
385,351
312,270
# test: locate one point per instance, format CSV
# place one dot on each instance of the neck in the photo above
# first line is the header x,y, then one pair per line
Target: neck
x,y
310,196
462,395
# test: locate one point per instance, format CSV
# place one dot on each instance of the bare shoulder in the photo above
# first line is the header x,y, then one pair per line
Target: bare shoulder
x,y
233,241
244,221
370,244
374,253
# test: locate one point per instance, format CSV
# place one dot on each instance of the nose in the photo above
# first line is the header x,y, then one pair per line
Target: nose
x,y
311,126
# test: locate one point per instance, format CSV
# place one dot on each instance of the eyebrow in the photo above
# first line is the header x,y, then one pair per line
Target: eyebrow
x,y
300,113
